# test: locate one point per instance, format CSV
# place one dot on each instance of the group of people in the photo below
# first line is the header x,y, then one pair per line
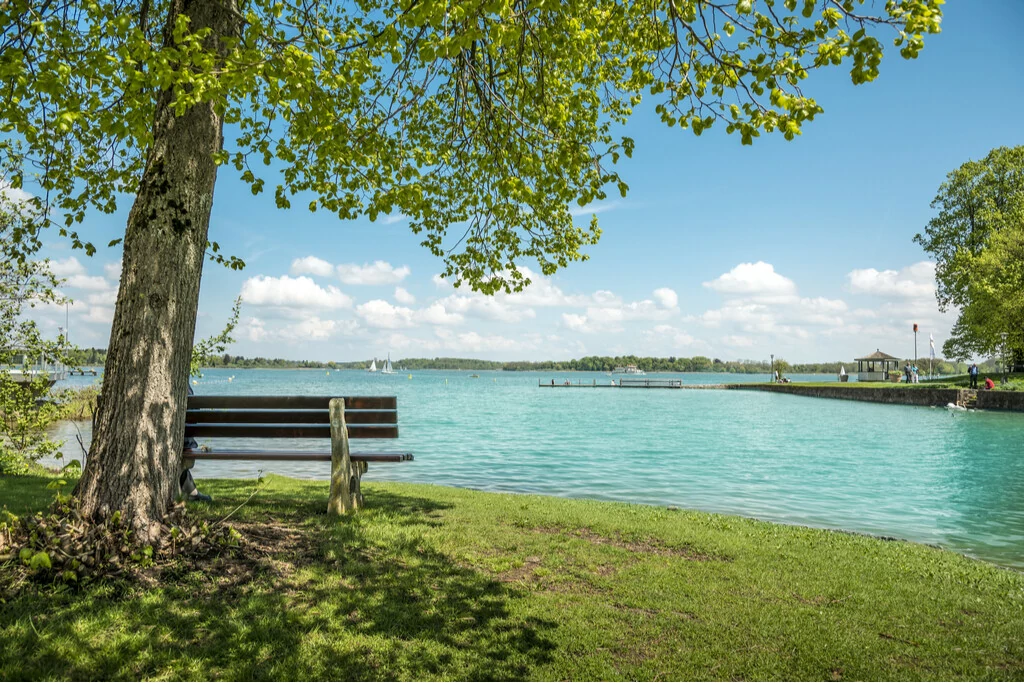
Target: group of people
x,y
910,374
972,372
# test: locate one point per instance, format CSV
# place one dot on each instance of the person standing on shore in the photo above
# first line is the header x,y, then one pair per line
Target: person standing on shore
x,y
972,373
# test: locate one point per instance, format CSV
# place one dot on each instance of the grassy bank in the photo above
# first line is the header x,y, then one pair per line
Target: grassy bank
x,y
431,582
1015,383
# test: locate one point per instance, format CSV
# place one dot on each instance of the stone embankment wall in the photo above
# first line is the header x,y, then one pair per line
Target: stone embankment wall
x,y
1001,400
911,396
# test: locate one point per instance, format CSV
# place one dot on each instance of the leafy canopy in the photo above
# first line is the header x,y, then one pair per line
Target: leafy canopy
x,y
977,240
483,121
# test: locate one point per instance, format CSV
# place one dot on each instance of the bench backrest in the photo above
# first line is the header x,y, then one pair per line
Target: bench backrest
x,y
289,417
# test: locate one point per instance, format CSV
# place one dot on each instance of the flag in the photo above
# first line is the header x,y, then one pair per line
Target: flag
x,y
931,342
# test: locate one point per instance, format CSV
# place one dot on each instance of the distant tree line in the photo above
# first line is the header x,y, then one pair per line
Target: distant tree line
x,y
86,357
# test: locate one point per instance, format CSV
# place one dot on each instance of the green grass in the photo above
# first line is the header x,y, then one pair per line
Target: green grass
x,y
431,582
1016,383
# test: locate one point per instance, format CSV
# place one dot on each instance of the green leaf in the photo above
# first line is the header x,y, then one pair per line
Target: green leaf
x,y
40,560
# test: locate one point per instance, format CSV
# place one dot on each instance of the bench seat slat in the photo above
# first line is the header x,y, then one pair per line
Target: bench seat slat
x,y
320,417
292,402
290,456
262,431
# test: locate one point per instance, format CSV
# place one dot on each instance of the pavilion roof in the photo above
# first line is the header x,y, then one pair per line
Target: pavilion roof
x,y
878,355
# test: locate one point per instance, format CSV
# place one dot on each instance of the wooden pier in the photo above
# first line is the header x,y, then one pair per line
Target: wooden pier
x,y
624,383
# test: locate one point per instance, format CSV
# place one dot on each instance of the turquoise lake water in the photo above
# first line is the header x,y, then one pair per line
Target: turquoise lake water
x,y
954,479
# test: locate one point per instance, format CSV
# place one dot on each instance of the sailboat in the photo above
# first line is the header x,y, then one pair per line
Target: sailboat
x,y
387,369
373,366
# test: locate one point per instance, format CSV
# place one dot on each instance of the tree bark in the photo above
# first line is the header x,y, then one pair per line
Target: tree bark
x,y
135,458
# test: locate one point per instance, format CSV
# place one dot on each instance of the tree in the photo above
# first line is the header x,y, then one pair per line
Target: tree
x,y
977,240
482,121
24,284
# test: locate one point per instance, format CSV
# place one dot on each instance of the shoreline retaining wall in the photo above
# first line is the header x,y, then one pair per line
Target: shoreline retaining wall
x,y
911,396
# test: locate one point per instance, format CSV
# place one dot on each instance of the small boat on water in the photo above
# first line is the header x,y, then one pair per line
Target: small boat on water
x,y
628,370
387,369
373,366
474,376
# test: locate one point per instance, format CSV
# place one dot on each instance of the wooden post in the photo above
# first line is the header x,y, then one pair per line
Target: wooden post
x,y
345,494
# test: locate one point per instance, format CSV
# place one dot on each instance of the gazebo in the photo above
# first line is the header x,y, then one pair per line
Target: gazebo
x,y
875,367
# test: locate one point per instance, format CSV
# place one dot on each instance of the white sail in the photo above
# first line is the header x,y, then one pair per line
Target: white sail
x,y
388,370
373,366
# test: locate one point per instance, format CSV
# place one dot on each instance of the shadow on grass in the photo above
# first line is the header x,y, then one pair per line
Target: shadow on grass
x,y
365,597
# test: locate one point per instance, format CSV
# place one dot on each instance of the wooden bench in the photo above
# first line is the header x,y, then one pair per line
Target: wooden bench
x,y
298,417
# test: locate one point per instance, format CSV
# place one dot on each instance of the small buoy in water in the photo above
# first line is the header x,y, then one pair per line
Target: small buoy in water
x,y
410,376
446,381
328,373
195,381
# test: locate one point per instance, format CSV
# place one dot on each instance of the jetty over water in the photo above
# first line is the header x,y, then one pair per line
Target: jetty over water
x,y
627,383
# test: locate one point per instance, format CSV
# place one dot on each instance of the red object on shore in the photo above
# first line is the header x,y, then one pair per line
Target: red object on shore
x,y
989,384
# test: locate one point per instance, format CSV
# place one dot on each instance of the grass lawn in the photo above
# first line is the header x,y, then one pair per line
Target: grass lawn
x,y
1015,383
431,582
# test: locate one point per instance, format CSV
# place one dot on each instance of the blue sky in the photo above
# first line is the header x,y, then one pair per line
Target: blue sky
x,y
802,249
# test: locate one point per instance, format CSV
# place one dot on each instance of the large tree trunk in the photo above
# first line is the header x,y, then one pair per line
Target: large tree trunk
x,y
135,457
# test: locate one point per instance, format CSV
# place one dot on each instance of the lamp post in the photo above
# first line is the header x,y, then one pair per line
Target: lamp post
x,y
915,350
1006,360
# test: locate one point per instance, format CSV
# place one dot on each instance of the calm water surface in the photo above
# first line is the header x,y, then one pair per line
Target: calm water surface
x,y
953,479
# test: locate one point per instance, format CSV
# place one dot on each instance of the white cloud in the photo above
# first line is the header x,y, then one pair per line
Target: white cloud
x,y
311,265
381,314
100,314
312,328
672,336
753,279
113,270
486,307
403,296
93,283
593,208
473,341
666,298
738,342
105,298
541,292
66,267
253,329
394,218
603,297
13,195
289,292
376,273
577,322
436,314
440,282
913,282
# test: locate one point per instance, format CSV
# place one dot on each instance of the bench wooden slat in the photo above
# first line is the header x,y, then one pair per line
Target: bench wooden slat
x,y
321,417
292,402
290,456
261,431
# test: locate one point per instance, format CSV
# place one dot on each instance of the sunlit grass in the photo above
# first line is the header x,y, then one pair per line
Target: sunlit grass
x,y
431,582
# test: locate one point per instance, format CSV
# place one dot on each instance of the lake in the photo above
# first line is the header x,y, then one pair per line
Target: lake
x,y
950,478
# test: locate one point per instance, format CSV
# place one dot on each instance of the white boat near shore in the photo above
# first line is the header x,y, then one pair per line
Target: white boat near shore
x,y
628,370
